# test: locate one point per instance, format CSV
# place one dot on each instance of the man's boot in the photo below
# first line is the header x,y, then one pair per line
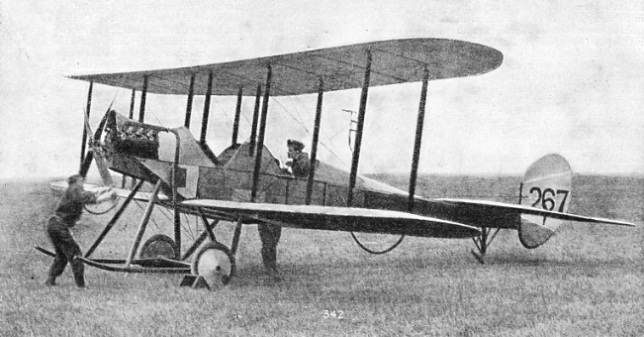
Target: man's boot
x,y
51,281
269,260
80,280
270,237
79,272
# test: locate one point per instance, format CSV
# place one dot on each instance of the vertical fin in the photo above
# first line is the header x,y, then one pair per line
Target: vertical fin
x,y
547,184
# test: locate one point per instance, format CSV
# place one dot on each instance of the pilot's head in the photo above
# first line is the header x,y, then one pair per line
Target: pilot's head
x,y
294,147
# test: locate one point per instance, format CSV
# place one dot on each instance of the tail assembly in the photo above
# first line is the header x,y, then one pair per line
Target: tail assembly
x,y
543,206
547,184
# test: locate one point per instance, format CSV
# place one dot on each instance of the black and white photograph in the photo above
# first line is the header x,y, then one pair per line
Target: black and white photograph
x,y
328,168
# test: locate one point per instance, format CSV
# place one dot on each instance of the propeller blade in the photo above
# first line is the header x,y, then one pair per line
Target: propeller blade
x,y
86,164
104,171
101,124
94,152
90,154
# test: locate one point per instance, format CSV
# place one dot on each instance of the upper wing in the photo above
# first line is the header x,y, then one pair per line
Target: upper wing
x,y
340,218
500,207
394,61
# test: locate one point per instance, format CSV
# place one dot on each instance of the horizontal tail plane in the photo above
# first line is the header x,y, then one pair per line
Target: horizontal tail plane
x,y
545,196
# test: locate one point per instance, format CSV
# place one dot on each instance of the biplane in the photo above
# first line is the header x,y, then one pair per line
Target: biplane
x,y
245,185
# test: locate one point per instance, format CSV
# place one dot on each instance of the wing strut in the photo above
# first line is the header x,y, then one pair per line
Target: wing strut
x,y
86,117
175,195
237,114
144,93
314,144
358,141
418,141
191,94
131,116
132,99
206,111
262,132
253,131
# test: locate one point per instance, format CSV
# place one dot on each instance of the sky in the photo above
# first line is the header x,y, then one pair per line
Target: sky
x,y
571,81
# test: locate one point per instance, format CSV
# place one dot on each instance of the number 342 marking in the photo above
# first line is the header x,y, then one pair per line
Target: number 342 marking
x,y
547,198
337,314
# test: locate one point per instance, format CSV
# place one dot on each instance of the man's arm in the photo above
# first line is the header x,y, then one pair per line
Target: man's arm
x,y
106,194
78,195
301,165
88,197
306,163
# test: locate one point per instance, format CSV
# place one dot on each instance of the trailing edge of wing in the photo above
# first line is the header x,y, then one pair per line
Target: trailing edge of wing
x,y
340,218
393,61
522,209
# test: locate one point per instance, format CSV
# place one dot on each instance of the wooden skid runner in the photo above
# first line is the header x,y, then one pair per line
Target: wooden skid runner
x,y
159,265
134,268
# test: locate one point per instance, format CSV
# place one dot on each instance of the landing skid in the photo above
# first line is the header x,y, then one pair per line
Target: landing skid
x,y
482,243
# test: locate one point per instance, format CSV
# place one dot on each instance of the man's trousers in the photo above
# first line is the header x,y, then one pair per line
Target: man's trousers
x,y
66,250
269,234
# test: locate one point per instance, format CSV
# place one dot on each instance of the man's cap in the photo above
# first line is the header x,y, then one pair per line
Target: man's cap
x,y
74,178
297,145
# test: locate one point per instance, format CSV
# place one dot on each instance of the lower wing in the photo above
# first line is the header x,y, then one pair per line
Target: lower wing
x,y
339,218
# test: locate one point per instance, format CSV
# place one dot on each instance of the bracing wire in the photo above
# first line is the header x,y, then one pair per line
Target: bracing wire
x,y
301,123
189,230
151,218
168,216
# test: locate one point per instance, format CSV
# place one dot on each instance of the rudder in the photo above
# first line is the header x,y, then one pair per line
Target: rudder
x,y
547,184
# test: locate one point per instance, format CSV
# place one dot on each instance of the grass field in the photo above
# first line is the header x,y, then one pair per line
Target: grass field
x,y
586,281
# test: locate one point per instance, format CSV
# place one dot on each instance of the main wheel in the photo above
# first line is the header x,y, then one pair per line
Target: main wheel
x,y
214,263
159,245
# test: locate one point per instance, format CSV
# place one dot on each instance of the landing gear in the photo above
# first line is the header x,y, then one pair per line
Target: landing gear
x,y
214,263
482,242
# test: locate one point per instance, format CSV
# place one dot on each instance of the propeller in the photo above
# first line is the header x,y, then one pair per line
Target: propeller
x,y
96,153
95,150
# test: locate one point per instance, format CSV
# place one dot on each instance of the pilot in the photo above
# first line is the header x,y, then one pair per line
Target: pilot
x,y
68,211
269,234
299,163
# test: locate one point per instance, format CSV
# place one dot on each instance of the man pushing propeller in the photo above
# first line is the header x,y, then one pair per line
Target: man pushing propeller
x,y
68,212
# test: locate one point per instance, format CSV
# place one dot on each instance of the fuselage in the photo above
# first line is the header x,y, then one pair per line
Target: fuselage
x,y
138,150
